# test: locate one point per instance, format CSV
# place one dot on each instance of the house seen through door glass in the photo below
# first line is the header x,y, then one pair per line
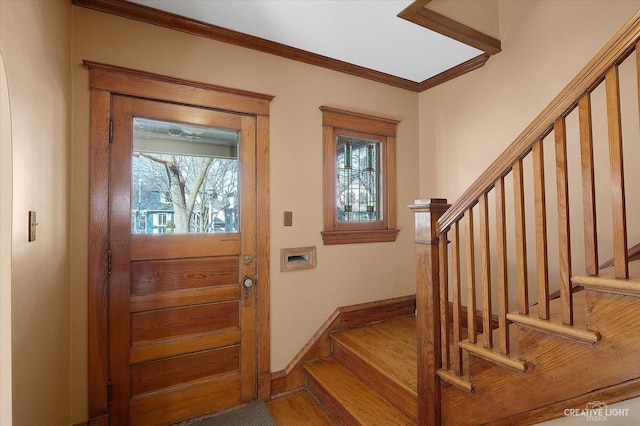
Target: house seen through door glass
x,y
185,178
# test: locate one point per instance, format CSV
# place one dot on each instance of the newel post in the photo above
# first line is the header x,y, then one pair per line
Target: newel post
x,y
427,212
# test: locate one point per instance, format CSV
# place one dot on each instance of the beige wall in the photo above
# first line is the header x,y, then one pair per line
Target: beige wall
x,y
35,43
435,142
5,249
467,122
302,300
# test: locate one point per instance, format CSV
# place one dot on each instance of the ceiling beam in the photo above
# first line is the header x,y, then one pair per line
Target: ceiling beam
x,y
417,13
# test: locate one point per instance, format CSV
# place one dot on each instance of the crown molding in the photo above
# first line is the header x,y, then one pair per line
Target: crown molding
x,y
180,23
451,73
415,12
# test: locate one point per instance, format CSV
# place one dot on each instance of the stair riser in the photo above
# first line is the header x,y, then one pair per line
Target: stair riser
x,y
559,369
400,397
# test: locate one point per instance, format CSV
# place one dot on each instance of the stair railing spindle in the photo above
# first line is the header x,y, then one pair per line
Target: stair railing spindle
x,y
485,261
588,185
542,260
564,234
444,300
457,303
620,254
471,277
520,238
501,268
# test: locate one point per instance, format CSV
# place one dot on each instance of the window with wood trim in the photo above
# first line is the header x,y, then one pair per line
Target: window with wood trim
x,y
359,173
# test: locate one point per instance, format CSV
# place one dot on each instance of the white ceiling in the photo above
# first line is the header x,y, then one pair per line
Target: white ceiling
x,y
362,32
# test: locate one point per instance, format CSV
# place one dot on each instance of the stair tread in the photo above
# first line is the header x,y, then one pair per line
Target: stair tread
x,y
390,347
607,282
555,310
579,331
361,402
514,348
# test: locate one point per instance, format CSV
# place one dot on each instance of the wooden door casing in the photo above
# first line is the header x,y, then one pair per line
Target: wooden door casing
x,y
105,81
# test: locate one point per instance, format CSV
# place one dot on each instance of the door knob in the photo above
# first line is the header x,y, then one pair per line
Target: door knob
x,y
247,282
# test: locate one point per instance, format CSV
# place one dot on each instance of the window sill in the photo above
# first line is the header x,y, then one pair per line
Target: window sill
x,y
356,237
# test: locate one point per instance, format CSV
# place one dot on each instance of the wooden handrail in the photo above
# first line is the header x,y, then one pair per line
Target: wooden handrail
x,y
620,46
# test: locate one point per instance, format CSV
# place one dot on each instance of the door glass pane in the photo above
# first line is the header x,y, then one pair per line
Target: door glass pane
x,y
185,178
358,180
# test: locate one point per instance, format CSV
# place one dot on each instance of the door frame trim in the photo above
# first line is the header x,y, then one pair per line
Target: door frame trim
x,y
105,81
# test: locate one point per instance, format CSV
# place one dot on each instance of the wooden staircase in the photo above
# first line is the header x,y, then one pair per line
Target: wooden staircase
x,y
370,377
533,355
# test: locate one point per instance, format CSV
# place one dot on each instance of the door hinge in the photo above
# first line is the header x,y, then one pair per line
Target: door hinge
x,y
110,130
109,262
109,392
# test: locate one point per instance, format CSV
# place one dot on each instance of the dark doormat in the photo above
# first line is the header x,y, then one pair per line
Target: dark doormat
x,y
256,414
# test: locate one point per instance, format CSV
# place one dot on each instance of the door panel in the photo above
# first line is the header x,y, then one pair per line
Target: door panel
x,y
187,402
166,324
153,276
182,324
167,373
184,346
145,247
184,298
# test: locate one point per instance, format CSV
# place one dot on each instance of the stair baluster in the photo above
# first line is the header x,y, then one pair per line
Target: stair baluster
x,y
588,185
620,254
501,266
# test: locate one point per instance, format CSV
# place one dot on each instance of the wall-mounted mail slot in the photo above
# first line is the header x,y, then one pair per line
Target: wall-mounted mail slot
x,y
293,259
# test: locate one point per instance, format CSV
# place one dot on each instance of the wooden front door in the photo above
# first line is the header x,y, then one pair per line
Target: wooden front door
x,y
182,241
